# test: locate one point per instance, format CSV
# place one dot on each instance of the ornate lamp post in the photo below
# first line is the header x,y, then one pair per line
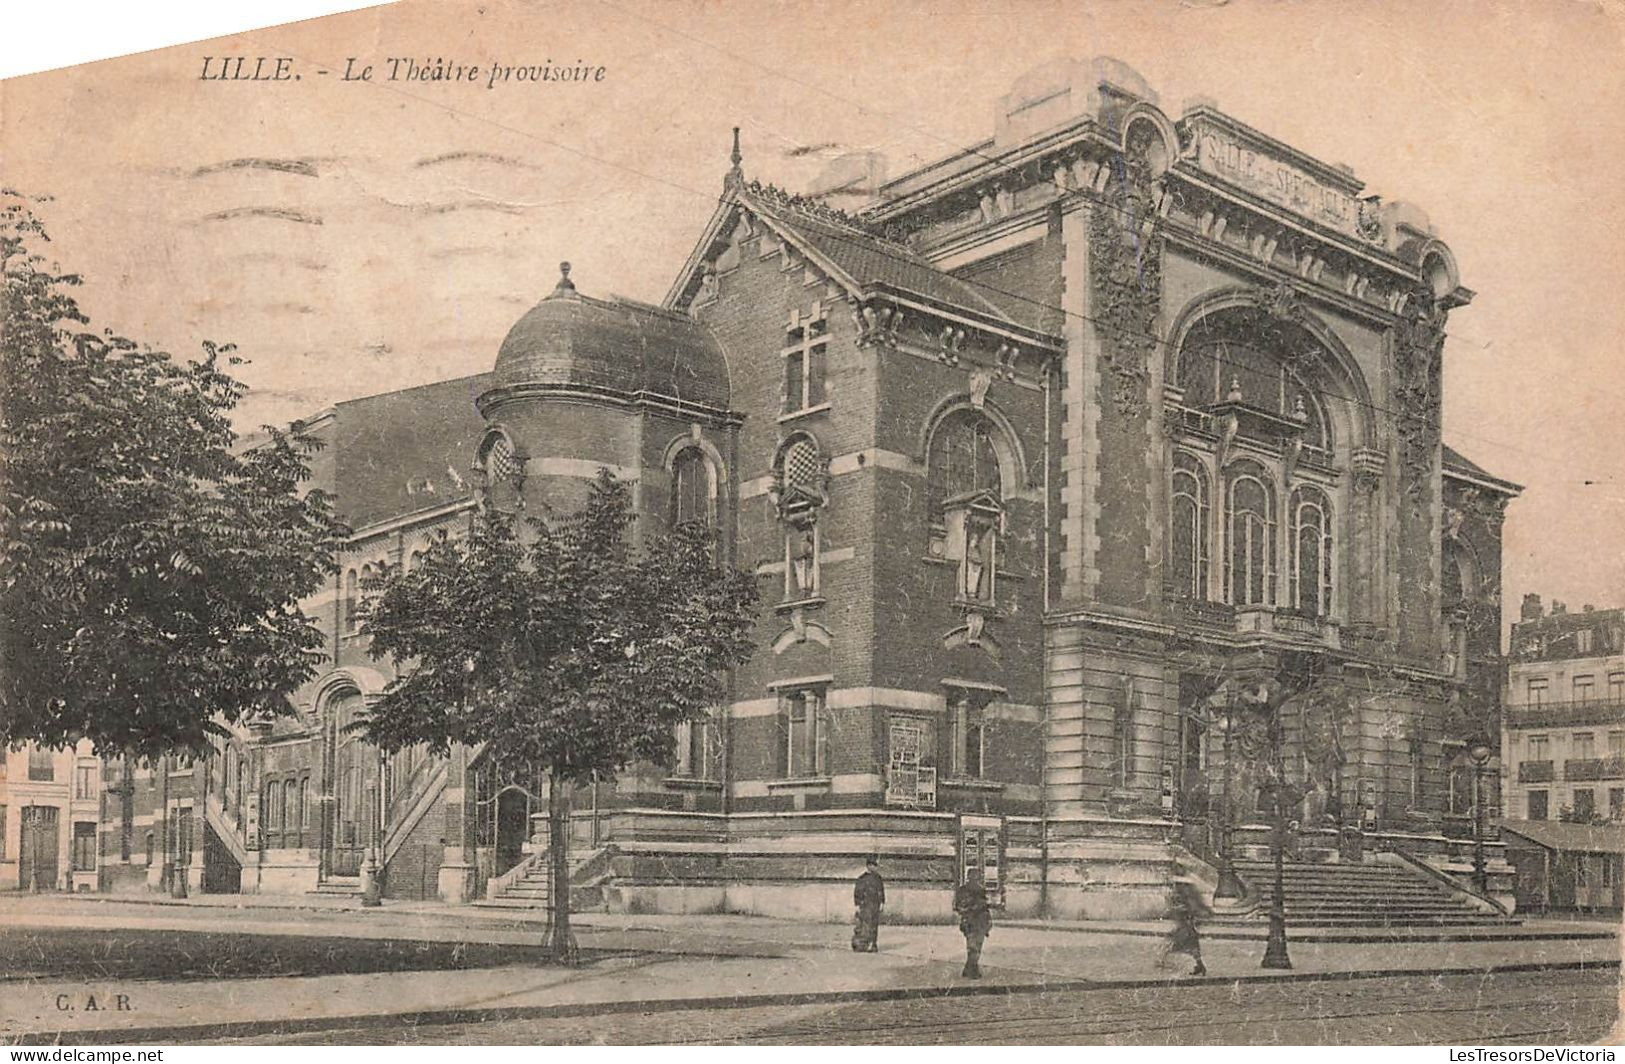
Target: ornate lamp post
x,y
1275,952
1265,694
371,888
1480,753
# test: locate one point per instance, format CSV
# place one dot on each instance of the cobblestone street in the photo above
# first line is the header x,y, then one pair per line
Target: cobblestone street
x,y
269,972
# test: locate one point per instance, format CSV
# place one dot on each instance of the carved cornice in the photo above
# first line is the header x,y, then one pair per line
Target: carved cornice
x,y
948,338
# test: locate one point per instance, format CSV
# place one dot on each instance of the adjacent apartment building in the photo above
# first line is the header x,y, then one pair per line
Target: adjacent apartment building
x,y
49,815
1563,739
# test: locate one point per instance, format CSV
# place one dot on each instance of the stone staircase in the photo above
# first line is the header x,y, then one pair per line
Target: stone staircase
x,y
338,887
1365,894
527,887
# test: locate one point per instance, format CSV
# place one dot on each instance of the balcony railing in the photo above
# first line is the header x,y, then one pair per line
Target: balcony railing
x,y
1535,772
1593,768
1549,714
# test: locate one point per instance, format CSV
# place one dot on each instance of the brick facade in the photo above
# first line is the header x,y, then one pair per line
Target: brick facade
x,y
945,435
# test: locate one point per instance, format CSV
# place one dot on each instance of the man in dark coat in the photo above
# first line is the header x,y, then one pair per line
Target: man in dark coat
x,y
868,894
975,921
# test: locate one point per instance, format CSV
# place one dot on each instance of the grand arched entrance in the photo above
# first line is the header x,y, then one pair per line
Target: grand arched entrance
x,y
350,820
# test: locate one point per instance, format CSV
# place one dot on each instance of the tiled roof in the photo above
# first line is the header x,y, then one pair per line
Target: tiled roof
x,y
1569,838
868,259
406,451
1455,461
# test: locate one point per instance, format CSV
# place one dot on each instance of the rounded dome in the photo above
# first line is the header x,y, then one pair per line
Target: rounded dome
x,y
614,346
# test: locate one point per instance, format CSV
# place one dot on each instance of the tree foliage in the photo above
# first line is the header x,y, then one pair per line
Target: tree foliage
x,y
556,642
152,566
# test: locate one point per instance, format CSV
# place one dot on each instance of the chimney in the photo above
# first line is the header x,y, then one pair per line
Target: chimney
x,y
1558,607
1531,610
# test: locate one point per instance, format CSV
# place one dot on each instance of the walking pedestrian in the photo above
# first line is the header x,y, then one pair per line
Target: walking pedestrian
x,y
869,895
1184,938
975,920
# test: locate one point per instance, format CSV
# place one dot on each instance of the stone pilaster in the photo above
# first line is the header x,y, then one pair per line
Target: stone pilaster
x,y
456,884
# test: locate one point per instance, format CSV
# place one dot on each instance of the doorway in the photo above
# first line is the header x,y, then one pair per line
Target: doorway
x,y
513,828
37,854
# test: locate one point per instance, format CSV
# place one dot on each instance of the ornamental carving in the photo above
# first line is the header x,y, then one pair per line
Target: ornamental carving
x,y
1126,273
1418,356
1282,303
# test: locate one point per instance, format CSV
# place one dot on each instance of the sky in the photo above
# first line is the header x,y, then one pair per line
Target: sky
x,y
358,236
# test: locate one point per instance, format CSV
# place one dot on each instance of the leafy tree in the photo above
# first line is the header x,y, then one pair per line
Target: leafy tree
x,y
152,567
555,643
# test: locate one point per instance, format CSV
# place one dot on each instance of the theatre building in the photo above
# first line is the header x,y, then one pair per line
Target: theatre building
x,y
1024,449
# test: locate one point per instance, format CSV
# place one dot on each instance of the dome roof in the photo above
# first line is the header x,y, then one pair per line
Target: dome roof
x,y
615,346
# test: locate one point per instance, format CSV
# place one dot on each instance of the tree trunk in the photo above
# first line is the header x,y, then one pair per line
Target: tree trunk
x,y
561,941
165,867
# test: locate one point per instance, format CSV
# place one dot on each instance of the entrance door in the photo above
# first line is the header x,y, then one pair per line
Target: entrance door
x,y
513,828
38,851
355,792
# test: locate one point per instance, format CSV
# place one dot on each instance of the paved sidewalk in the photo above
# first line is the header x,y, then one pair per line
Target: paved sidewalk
x,y
462,915
659,962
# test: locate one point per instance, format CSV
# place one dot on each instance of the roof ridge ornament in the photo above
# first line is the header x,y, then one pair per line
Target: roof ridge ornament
x,y
565,288
736,172
814,208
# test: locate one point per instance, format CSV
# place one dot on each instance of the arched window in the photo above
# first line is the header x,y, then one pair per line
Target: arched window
x,y
692,491
503,472
1311,551
799,462
961,459
1188,546
352,600
1229,370
1250,537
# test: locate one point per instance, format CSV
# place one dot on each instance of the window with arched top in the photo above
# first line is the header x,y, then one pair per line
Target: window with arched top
x,y
1188,523
693,488
961,459
1249,524
1213,371
503,470
799,462
1311,543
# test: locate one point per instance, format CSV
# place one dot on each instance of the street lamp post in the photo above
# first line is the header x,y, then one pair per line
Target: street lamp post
x,y
1480,753
1275,952
371,888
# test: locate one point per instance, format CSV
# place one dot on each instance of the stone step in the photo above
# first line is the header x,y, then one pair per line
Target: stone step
x,y
506,902
1356,895
338,886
